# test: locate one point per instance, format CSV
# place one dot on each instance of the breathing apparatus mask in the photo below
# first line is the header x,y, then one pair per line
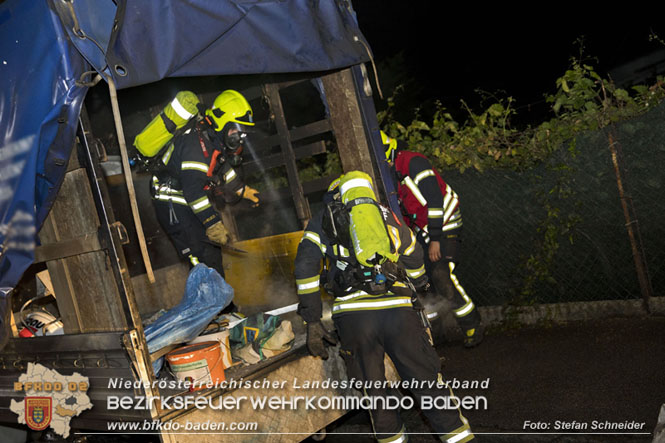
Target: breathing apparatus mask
x,y
234,138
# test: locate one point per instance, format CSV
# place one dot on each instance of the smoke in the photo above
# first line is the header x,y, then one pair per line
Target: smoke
x,y
274,211
438,304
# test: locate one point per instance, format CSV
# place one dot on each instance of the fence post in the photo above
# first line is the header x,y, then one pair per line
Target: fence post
x,y
632,225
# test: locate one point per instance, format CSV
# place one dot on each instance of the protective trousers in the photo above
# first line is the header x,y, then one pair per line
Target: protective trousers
x,y
188,235
399,332
442,276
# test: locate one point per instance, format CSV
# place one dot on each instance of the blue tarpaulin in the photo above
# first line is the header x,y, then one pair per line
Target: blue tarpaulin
x,y
39,107
45,47
206,294
232,37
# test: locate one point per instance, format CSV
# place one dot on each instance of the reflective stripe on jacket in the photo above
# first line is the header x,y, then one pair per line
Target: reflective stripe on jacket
x,y
315,247
185,177
429,202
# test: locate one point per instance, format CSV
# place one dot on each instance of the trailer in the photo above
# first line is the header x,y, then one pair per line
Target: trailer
x,y
109,263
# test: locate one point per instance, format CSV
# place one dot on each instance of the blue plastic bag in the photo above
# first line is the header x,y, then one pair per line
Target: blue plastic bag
x,y
206,294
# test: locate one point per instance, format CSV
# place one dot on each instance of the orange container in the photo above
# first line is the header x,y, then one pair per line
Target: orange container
x,y
200,364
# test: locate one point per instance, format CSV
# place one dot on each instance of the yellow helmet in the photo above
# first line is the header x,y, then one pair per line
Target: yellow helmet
x,y
230,107
334,185
389,146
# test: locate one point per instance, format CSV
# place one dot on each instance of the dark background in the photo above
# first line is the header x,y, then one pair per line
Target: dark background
x,y
449,52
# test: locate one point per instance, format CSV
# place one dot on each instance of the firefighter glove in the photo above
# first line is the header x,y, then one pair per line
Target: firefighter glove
x,y
424,289
417,303
250,194
317,336
218,233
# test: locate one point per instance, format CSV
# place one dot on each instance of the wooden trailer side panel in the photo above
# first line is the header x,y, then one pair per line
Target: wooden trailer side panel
x,y
86,292
347,123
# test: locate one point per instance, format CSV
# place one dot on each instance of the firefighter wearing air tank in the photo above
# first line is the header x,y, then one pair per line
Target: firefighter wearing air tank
x,y
372,265
431,208
198,176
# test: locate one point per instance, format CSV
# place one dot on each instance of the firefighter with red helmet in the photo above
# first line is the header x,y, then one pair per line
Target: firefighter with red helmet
x,y
431,208
198,175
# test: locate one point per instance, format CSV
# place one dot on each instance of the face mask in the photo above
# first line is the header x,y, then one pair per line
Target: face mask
x,y
234,143
234,140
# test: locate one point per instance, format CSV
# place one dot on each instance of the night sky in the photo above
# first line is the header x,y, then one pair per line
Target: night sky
x,y
449,52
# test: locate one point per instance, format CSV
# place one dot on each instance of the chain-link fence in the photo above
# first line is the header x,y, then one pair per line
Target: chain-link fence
x,y
579,237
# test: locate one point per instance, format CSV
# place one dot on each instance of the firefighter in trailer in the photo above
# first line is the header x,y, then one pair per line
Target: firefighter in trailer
x,y
372,264
199,177
431,208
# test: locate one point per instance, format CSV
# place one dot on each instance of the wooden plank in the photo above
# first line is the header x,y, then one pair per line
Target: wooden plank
x,y
347,124
86,293
295,134
109,234
309,130
12,324
302,207
273,161
165,293
67,248
45,278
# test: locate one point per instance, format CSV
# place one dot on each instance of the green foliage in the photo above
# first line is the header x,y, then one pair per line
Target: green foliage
x,y
583,101
653,37
554,226
321,166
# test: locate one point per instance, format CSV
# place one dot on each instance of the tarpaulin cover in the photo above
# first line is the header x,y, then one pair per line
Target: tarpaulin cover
x,y
159,39
206,294
45,46
39,106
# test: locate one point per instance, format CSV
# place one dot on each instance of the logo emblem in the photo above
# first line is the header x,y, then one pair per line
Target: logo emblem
x,y
38,412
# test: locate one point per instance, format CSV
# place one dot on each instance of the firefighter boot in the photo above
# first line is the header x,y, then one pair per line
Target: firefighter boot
x,y
473,337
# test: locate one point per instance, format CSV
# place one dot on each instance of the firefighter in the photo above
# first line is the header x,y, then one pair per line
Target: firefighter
x,y
431,208
199,176
374,266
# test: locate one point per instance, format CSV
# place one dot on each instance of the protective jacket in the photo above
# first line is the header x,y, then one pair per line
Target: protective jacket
x,y
340,271
428,203
431,208
185,178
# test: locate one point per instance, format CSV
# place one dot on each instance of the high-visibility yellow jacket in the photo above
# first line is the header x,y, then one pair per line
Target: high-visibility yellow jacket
x,y
315,248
